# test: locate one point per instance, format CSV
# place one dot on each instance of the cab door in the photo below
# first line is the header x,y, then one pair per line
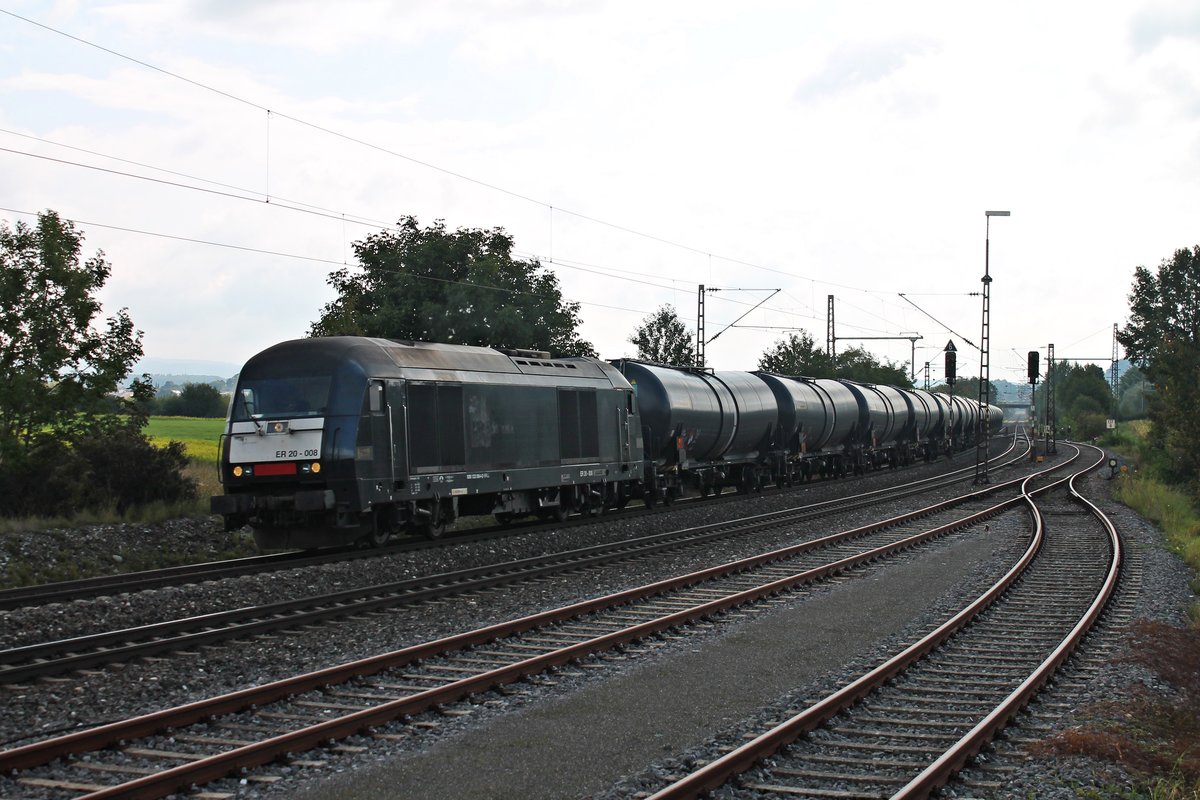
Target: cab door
x,y
376,456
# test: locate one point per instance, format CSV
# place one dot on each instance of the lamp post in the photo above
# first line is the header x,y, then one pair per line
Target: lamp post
x,y
981,437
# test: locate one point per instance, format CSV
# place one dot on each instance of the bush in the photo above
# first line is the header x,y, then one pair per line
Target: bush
x,y
115,469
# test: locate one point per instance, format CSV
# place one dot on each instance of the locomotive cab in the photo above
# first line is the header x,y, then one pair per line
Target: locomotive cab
x,y
288,451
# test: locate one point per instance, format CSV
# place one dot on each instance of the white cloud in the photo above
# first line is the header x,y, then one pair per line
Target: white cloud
x,y
844,146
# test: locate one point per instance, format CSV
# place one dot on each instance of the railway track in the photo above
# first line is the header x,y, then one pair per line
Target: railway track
x,y
43,659
206,740
122,583
906,727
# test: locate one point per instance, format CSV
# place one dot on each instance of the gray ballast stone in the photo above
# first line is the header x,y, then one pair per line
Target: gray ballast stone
x,y
580,743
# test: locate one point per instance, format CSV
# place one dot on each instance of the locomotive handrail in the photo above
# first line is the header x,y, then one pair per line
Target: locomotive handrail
x,y
221,456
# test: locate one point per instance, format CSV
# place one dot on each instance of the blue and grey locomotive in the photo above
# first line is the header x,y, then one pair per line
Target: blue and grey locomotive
x,y
335,440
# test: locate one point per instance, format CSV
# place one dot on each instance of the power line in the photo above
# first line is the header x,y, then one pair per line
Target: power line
x,y
314,259
370,145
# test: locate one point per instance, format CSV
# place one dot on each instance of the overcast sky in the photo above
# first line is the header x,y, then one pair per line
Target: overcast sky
x,y
636,148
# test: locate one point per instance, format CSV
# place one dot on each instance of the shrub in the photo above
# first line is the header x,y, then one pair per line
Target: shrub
x,y
117,468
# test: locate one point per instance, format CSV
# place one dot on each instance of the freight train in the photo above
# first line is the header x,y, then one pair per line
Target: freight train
x,y
345,439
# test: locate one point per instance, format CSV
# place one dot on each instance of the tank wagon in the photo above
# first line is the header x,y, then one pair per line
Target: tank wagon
x,y
343,439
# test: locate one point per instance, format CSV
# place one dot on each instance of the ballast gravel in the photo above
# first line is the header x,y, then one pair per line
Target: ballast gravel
x,y
34,711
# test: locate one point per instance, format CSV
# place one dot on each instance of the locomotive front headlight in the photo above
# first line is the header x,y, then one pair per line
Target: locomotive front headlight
x,y
316,467
237,472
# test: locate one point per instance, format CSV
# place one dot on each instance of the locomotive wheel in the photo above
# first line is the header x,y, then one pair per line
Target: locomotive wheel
x,y
504,517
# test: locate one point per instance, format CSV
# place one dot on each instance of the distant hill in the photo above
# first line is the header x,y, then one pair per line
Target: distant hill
x,y
191,370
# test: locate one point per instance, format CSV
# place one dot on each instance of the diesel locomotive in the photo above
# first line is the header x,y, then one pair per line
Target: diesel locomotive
x,y
342,439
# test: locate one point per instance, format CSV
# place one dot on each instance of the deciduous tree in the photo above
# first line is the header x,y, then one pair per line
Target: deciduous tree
x,y
460,287
66,442
798,354
57,366
1162,337
664,339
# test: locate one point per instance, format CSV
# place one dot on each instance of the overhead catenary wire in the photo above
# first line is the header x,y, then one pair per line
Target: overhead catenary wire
x,y
551,208
314,259
297,205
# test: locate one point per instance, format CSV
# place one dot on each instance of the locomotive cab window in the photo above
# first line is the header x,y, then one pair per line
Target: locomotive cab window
x,y
375,397
281,397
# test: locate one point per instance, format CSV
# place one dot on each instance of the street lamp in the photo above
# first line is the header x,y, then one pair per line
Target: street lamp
x,y
981,437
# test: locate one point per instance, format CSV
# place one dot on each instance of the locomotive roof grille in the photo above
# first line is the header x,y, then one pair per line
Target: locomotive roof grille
x,y
559,365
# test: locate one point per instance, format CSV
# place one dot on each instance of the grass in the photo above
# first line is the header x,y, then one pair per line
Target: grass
x,y
1156,737
199,435
1169,508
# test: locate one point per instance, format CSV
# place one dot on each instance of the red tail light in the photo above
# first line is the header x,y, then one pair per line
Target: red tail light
x,y
280,468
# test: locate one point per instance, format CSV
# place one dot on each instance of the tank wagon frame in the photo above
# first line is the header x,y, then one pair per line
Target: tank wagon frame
x,y
342,439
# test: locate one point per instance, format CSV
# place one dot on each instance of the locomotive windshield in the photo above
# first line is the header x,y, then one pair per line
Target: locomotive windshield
x,y
281,397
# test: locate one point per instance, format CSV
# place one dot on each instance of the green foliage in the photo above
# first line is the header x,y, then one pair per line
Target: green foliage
x,y
1163,338
1170,509
67,443
1082,399
1134,395
857,364
107,470
798,354
460,287
198,435
194,400
663,339
967,387
57,371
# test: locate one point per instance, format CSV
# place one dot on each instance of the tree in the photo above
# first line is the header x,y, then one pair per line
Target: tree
x,y
194,400
460,287
664,339
1163,338
857,364
67,442
56,369
1133,391
967,387
797,355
